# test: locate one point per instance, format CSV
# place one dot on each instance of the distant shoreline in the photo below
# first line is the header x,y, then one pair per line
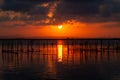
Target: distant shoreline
x,y
60,39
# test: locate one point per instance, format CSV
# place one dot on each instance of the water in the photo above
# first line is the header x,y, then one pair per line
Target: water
x,y
59,60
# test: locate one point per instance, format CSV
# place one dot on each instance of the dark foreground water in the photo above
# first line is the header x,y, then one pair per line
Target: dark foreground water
x,y
59,60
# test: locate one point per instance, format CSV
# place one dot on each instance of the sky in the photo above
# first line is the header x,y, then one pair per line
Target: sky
x,y
40,18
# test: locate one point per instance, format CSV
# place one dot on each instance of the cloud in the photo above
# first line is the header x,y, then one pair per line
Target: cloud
x,y
21,5
52,9
1,2
13,16
89,11
45,12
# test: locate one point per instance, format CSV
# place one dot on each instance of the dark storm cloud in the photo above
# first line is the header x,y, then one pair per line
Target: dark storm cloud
x,y
25,5
83,1
89,10
81,10
21,5
78,9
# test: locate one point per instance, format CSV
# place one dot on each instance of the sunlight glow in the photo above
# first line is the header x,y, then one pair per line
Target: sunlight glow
x,y
60,27
59,53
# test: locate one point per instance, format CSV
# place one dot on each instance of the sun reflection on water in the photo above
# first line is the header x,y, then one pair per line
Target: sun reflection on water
x,y
60,49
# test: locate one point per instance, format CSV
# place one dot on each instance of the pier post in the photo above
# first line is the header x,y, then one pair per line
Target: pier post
x,y
11,43
28,46
21,46
2,46
101,45
108,46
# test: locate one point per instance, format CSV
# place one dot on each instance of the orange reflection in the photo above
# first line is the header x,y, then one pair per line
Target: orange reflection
x,y
59,53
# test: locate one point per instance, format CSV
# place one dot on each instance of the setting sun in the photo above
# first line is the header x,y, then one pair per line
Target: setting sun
x,y
60,27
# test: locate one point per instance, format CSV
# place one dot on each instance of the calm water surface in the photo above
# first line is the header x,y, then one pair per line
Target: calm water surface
x,y
59,61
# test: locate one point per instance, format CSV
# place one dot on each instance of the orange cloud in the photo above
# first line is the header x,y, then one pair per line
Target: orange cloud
x,y
44,5
52,9
1,2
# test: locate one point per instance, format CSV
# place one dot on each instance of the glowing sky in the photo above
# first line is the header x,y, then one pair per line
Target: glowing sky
x,y
40,18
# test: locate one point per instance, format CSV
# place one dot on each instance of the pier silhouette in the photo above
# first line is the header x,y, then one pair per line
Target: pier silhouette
x,y
27,46
57,57
71,51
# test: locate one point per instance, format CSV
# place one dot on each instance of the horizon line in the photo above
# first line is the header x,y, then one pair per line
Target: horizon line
x,y
57,38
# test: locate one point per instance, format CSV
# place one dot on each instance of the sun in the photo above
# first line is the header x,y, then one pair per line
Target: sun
x,y
60,27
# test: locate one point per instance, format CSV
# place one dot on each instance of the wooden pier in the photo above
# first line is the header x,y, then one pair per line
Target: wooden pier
x,y
82,51
19,45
